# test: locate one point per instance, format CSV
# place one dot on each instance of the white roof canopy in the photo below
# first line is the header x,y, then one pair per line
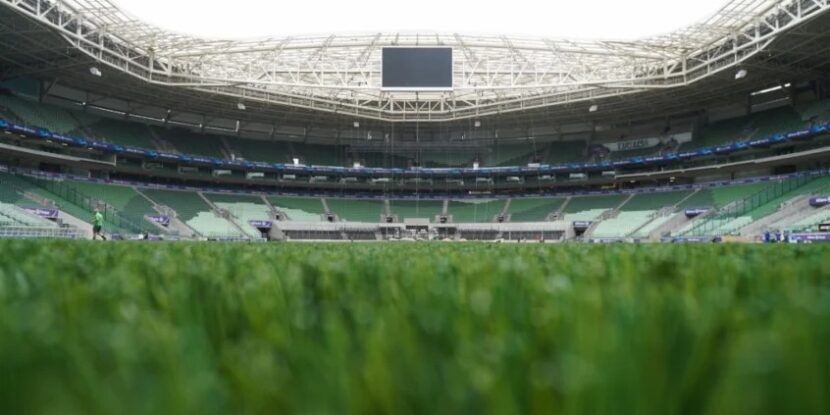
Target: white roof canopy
x,y
340,73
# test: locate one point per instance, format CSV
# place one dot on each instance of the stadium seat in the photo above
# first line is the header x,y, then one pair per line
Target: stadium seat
x,y
299,209
654,200
11,215
624,224
54,118
189,142
472,211
123,198
262,150
356,210
194,211
122,132
653,225
411,209
593,203
533,209
243,208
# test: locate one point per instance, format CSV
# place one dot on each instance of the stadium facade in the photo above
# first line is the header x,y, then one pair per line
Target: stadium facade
x,y
716,130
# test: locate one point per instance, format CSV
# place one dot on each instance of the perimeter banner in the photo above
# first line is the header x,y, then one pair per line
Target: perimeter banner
x,y
809,237
582,225
819,201
261,224
693,212
47,213
160,219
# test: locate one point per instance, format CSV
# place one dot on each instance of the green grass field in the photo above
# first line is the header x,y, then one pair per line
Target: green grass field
x,y
181,328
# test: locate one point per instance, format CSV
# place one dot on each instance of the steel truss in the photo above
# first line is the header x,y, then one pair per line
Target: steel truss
x,y
492,74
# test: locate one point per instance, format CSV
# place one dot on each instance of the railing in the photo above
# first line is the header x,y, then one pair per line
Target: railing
x,y
33,232
112,215
709,226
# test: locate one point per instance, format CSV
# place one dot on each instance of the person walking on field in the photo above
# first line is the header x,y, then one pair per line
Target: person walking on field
x,y
97,224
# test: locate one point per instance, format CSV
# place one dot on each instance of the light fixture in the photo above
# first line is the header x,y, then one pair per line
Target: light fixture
x,y
741,74
356,124
296,161
478,123
241,106
95,71
593,108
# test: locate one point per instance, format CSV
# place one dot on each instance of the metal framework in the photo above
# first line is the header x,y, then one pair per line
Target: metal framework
x,y
492,74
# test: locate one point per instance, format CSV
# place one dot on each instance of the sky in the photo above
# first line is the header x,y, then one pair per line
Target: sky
x,y
576,19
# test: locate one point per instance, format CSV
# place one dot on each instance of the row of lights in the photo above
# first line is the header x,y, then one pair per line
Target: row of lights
x,y
740,74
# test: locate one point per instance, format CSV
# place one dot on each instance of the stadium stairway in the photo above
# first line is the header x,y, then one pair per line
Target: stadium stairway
x,y
325,204
673,226
592,208
810,222
192,210
240,210
623,225
793,211
639,215
122,198
229,217
299,209
11,215
646,230
176,226
737,215
270,206
76,207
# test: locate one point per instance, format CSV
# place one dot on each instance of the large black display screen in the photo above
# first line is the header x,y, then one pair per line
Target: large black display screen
x,y
417,69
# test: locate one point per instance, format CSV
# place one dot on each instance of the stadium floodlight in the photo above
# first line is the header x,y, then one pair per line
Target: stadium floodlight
x,y
478,123
356,124
741,74
475,165
95,71
593,108
241,106
296,161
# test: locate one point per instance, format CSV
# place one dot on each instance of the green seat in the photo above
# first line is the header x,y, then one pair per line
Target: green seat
x,y
533,209
356,210
474,210
412,209
300,209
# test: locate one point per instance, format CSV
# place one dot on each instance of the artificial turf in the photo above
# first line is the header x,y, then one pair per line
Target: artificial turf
x,y
413,328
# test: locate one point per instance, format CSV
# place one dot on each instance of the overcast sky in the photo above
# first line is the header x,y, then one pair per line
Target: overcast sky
x,y
582,19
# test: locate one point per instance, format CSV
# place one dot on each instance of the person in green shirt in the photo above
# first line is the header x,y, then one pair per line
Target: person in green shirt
x,y
97,224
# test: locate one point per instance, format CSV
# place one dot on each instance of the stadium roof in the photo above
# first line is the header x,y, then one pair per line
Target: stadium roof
x,y
597,19
493,74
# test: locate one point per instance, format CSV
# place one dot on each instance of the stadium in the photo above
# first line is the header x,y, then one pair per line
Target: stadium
x,y
299,180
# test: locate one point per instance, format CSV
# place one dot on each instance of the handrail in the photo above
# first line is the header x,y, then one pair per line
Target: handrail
x,y
748,204
725,148
112,215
